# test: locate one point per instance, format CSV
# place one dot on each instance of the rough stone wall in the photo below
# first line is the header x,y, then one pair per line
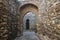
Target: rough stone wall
x,y
3,19
12,19
50,24
8,20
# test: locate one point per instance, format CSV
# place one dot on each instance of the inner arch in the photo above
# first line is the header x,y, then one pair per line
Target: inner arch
x,y
29,22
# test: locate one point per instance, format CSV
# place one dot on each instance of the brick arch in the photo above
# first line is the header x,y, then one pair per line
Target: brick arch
x,y
27,8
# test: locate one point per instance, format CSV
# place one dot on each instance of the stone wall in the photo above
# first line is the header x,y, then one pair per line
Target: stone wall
x,y
8,19
3,20
50,24
12,19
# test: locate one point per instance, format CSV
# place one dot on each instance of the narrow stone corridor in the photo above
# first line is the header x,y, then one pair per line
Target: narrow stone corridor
x,y
28,35
29,19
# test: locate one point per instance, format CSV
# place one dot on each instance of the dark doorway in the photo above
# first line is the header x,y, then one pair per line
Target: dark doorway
x,y
27,24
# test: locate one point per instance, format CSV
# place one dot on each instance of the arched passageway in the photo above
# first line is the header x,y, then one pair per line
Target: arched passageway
x,y
29,22
24,10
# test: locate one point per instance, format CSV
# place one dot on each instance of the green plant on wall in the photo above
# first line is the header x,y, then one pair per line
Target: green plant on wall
x,y
16,0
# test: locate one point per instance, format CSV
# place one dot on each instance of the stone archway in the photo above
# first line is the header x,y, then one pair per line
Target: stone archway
x,y
24,10
31,23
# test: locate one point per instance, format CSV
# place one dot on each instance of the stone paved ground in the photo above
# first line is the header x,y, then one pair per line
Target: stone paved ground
x,y
28,35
